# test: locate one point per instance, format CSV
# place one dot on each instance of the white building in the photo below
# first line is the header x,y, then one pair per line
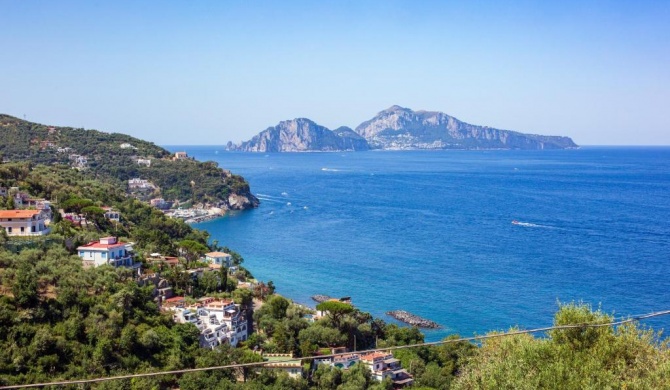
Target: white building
x,y
144,161
384,365
219,258
107,250
112,214
219,321
139,183
23,222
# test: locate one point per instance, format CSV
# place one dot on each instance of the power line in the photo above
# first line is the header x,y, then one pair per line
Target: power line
x,y
260,364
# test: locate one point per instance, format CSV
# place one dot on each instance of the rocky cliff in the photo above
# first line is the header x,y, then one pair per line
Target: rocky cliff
x,y
401,128
300,135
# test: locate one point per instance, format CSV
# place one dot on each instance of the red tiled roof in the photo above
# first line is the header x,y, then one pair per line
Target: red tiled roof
x,y
174,299
18,213
373,355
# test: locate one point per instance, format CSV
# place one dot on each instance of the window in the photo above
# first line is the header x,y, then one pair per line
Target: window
x,y
23,229
32,229
9,229
104,255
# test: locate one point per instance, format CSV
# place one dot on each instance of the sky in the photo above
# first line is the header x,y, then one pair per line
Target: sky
x,y
209,72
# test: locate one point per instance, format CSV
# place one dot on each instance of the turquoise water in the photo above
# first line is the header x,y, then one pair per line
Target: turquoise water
x,y
432,232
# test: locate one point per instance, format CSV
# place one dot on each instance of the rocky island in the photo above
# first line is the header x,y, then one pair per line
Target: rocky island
x,y
396,128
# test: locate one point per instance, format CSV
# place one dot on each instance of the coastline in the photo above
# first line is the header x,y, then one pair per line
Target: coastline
x,y
196,214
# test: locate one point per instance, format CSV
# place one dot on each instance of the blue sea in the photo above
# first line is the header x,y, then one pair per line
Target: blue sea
x,y
431,232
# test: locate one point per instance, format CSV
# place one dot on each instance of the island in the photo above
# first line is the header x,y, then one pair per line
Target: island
x,y
397,128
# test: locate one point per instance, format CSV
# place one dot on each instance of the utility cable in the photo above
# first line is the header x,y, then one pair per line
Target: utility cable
x,y
309,358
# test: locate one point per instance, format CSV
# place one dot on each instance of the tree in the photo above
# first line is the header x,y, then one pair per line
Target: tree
x,y
223,276
335,310
192,250
25,288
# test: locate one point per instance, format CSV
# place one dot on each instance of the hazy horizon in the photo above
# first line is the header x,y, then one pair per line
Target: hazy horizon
x,y
213,72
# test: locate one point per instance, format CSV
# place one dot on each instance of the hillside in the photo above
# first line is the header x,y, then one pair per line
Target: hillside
x,y
299,135
117,158
402,128
396,128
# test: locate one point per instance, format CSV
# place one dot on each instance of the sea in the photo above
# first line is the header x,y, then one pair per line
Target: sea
x,y
476,241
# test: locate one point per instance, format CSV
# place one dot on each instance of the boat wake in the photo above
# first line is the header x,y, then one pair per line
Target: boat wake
x,y
330,170
533,225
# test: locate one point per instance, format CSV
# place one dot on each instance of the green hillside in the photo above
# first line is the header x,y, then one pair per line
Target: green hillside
x,y
113,158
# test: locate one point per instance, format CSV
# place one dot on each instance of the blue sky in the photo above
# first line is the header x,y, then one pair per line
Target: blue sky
x,y
208,72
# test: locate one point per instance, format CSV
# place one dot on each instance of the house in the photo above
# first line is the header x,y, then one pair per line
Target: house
x,y
180,156
78,161
219,258
143,161
157,258
283,362
220,321
162,289
107,250
383,365
138,183
160,203
23,222
112,214
21,199
126,145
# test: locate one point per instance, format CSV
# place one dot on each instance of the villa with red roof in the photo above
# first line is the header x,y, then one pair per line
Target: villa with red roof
x,y
23,222
107,250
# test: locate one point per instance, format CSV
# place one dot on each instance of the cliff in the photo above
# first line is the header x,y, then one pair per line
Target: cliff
x,y
402,128
300,135
396,128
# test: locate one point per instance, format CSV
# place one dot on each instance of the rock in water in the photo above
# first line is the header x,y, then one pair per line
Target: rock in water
x,y
414,320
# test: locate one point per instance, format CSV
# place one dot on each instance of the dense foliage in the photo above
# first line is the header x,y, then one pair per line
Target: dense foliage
x,y
183,180
61,321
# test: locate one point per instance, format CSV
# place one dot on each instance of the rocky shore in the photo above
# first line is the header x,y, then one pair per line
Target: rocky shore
x,y
412,319
321,298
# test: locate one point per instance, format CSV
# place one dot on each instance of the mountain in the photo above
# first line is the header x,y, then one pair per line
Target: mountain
x,y
300,135
116,158
401,128
396,128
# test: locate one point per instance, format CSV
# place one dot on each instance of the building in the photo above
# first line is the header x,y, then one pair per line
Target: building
x,y
219,258
144,161
220,321
283,362
107,250
157,258
138,183
160,203
78,161
24,222
112,214
126,145
383,365
180,156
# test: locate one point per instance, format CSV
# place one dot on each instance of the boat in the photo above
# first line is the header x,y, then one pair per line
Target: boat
x,y
515,222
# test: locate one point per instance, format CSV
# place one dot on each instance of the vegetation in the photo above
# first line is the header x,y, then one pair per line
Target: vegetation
x,y
183,180
61,321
